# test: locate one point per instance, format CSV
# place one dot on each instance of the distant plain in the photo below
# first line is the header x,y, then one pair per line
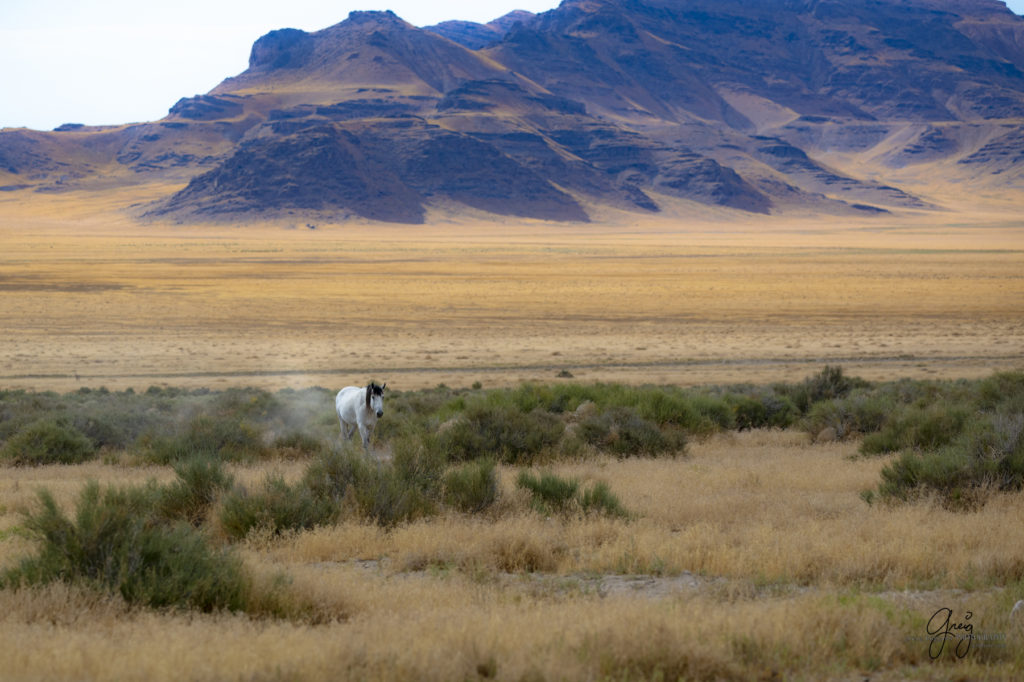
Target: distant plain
x,y
754,549
102,299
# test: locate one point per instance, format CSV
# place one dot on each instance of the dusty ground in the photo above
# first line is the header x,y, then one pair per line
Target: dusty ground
x,y
106,301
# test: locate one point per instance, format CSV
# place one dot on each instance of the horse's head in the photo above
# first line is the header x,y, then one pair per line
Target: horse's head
x,y
375,398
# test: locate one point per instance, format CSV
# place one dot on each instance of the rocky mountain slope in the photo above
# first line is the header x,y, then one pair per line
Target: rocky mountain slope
x,y
766,107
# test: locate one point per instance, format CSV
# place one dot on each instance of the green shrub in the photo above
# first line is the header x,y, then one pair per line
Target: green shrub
x,y
600,499
713,414
620,430
331,473
920,428
388,494
189,498
986,456
47,442
553,494
550,492
275,506
859,413
1003,389
471,487
501,432
297,444
386,497
227,438
113,544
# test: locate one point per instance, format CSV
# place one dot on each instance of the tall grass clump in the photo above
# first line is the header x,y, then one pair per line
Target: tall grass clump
x,y
471,487
553,494
550,493
114,543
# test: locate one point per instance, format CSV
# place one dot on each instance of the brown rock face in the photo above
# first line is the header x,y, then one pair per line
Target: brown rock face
x,y
621,103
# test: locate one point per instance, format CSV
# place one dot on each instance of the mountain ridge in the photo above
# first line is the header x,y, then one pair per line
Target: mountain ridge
x,y
784,105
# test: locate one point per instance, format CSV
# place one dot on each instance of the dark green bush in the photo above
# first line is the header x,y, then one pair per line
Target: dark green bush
x,y
763,410
988,455
388,494
830,383
47,442
275,506
201,481
471,487
550,493
113,544
501,432
620,430
600,499
918,428
228,438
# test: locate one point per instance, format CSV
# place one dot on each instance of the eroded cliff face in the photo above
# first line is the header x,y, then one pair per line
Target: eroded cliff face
x,y
621,103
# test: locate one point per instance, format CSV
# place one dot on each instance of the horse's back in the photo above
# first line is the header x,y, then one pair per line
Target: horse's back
x,y
344,399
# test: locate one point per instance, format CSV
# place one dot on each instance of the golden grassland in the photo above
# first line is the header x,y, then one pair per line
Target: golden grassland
x,y
752,557
109,301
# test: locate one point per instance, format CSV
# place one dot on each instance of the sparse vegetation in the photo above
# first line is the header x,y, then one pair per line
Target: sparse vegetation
x,y
47,442
432,510
553,494
115,543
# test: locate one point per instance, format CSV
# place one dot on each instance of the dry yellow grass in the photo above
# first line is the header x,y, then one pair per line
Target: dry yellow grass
x,y
754,556
122,305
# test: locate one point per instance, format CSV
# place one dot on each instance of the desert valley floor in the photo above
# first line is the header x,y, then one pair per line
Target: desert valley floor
x,y
753,555
109,302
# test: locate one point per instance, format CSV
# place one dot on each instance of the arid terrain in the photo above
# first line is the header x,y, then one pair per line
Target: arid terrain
x,y
752,557
105,301
538,232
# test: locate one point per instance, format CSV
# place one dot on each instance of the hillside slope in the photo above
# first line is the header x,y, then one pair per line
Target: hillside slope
x,y
852,106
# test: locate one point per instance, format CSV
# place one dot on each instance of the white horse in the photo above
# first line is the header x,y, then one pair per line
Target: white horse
x,y
360,407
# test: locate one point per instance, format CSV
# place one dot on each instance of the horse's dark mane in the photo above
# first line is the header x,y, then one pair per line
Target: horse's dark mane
x,y
373,389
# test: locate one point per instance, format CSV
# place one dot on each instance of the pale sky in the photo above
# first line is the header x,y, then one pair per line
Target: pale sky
x,y
119,61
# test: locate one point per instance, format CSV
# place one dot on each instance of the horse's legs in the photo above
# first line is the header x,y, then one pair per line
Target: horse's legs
x,y
364,433
346,429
